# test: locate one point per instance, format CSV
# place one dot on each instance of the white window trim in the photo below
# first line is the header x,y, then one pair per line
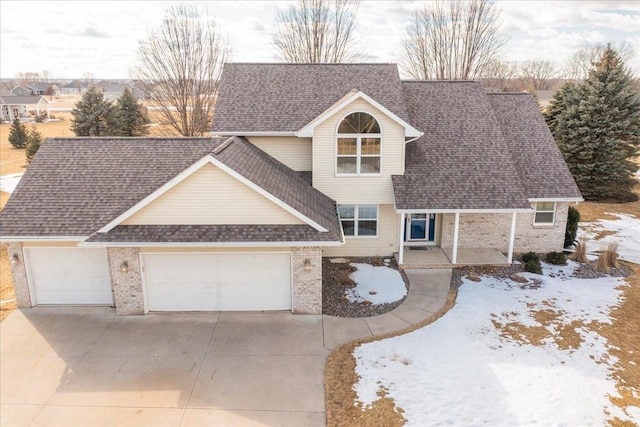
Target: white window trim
x,y
536,211
356,220
358,137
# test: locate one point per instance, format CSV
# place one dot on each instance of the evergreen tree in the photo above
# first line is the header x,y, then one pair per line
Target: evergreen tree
x,y
18,134
34,140
130,117
92,115
597,127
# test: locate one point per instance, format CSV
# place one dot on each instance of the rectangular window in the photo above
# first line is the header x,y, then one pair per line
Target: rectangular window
x,y
358,156
359,220
545,213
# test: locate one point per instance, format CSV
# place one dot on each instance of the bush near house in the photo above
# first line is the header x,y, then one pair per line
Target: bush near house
x,y
530,256
556,258
573,218
533,267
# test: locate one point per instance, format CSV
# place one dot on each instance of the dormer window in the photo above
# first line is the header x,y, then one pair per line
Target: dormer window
x,y
358,145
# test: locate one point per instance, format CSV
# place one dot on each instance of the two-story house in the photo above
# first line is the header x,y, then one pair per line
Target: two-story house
x,y
306,161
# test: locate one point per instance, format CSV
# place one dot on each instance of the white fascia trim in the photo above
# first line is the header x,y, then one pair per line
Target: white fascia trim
x,y
307,130
411,211
254,133
557,199
207,244
192,169
268,195
42,239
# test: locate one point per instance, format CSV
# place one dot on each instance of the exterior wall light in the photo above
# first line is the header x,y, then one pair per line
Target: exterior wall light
x,y
124,267
15,259
307,264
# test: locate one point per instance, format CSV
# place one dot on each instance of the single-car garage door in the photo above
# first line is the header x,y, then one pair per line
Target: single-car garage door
x,y
220,281
69,276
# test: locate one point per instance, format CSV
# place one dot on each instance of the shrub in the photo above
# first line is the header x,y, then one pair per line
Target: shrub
x,y
556,258
601,263
18,134
580,255
573,218
611,255
530,256
608,258
34,141
533,266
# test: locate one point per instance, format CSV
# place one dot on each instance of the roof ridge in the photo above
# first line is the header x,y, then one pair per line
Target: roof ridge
x,y
220,148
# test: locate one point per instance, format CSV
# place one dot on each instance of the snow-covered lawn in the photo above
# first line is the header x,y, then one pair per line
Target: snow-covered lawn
x,y
625,231
506,354
9,182
378,285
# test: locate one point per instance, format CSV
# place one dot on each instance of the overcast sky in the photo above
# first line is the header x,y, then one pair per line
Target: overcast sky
x,y
69,39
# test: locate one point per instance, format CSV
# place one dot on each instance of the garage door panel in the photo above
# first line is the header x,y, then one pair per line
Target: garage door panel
x,y
222,281
70,276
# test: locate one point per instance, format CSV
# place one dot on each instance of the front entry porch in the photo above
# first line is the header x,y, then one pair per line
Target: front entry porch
x,y
436,257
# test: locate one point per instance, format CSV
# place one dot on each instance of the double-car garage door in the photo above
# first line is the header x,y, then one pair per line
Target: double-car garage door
x,y
217,281
171,281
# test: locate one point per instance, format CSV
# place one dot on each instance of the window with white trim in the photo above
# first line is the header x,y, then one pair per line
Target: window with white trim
x,y
545,213
358,145
359,220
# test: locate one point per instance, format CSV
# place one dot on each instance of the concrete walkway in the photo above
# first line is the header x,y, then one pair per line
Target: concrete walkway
x,y
87,366
428,291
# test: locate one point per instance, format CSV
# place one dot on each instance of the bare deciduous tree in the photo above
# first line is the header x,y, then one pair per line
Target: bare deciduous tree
x,y
537,74
582,61
453,40
500,75
316,31
181,61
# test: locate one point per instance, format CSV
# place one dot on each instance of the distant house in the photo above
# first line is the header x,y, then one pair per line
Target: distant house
x,y
36,89
113,91
544,98
75,87
20,106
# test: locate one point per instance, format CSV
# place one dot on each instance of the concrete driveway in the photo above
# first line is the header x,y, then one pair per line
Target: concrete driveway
x,y
85,366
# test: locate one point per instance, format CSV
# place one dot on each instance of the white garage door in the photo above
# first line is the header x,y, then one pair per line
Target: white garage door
x,y
222,281
70,276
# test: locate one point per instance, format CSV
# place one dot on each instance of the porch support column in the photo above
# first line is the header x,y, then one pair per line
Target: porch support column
x,y
512,238
456,226
401,238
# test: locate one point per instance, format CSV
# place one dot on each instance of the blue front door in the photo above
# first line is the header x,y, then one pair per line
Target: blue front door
x,y
422,227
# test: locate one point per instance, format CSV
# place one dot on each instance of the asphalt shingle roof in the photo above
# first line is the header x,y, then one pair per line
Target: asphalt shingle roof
x,y
286,97
212,233
463,160
74,186
543,171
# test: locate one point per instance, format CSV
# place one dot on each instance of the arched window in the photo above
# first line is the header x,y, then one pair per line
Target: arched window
x,y
358,143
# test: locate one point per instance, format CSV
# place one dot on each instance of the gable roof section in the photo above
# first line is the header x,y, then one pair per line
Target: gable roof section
x,y
462,162
307,130
283,98
279,180
76,186
543,171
